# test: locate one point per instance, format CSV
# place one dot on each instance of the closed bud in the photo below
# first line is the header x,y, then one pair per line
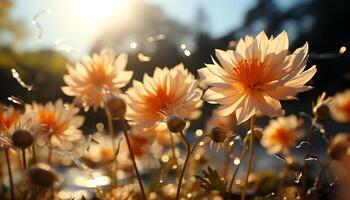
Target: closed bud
x,y
218,134
176,124
41,175
116,107
322,111
339,146
22,138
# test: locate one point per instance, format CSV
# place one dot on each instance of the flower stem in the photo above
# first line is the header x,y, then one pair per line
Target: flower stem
x,y
123,125
188,148
173,148
10,173
114,145
250,157
307,154
239,165
24,158
111,129
34,153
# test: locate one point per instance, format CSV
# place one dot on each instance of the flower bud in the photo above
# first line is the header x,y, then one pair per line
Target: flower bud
x,y
322,111
339,146
41,175
176,124
116,107
22,138
218,134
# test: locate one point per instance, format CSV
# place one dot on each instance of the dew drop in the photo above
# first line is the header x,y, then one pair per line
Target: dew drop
x,y
298,175
302,143
311,158
236,161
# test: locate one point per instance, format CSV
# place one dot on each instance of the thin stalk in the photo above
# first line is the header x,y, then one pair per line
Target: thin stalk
x,y
173,148
250,157
24,158
133,158
111,130
34,153
10,173
227,161
188,148
111,134
307,154
239,165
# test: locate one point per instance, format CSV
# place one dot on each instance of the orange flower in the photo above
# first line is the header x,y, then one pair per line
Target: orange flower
x,y
95,77
255,76
8,117
59,121
169,92
281,134
341,109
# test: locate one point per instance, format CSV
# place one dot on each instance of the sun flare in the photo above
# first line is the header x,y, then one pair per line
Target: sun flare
x,y
98,10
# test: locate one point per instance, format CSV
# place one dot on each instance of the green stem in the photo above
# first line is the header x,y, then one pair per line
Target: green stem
x,y
10,174
189,151
250,157
123,123
239,165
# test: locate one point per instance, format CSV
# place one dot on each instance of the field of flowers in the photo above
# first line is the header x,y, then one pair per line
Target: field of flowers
x,y
146,149
174,100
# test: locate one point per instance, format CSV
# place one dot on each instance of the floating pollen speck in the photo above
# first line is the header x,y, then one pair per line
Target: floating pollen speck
x,y
342,50
143,58
133,45
35,22
20,81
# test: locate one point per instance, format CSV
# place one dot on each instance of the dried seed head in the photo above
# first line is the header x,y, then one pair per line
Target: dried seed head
x,y
218,134
339,146
322,111
176,124
116,107
257,133
41,175
22,138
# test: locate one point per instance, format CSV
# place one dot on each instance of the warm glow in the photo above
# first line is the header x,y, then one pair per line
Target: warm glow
x,y
98,10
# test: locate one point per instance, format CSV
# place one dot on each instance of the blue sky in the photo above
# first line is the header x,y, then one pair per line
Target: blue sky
x,y
68,27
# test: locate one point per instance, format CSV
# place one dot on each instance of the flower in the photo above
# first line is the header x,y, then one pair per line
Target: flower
x,y
8,118
339,146
59,121
227,122
255,76
341,109
125,192
95,77
170,92
281,134
322,107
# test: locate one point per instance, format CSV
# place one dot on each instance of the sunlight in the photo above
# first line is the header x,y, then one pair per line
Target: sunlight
x,y
98,10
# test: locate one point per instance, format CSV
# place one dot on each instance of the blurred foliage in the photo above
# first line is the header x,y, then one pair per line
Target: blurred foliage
x,y
320,22
10,29
211,180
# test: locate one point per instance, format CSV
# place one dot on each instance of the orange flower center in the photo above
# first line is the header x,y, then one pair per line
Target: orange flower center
x,y
346,107
250,72
49,122
7,120
159,102
281,136
106,153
